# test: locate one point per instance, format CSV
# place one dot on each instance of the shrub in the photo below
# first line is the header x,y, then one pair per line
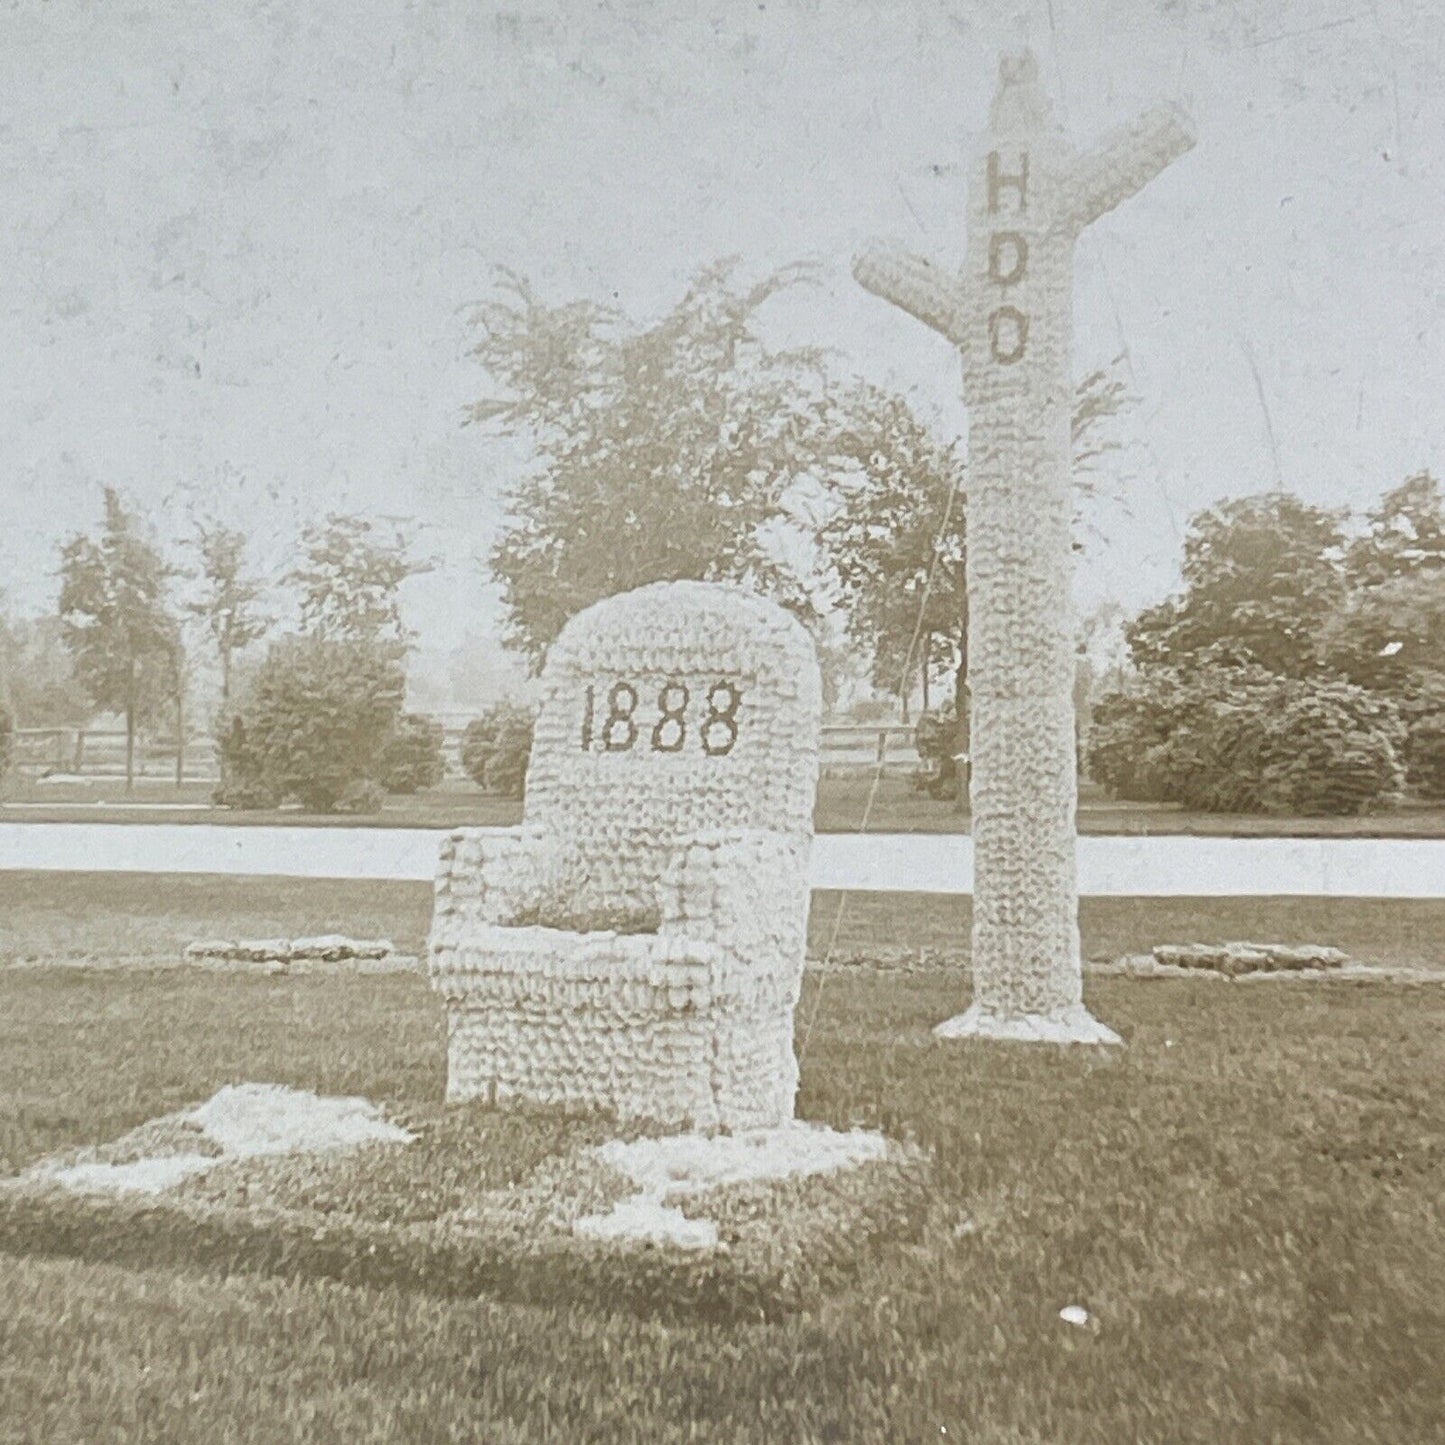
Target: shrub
x,y
935,740
361,796
412,759
1335,749
246,794
7,739
496,748
1423,711
1241,740
1219,747
1127,742
313,726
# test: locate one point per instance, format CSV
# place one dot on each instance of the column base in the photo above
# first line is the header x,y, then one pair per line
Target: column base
x,y
1071,1026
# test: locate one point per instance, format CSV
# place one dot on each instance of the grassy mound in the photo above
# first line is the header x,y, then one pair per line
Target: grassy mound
x,y
482,1203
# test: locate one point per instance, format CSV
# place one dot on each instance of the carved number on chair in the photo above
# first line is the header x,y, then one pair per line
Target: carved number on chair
x,y
617,731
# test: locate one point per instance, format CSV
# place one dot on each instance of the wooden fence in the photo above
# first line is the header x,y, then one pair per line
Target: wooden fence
x,y
100,752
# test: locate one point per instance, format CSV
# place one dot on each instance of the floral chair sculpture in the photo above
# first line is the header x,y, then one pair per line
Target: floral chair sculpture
x,y
638,944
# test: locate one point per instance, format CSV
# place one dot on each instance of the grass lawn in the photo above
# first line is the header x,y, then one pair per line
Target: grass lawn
x,y
58,916
843,803
1246,1200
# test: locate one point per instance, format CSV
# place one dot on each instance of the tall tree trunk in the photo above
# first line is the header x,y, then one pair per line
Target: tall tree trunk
x,y
130,729
180,734
220,751
963,731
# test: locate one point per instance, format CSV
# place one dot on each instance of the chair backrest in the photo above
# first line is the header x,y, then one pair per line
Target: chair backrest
x,y
677,709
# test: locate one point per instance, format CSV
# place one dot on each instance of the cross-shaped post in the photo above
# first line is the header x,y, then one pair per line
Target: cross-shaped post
x,y
1011,314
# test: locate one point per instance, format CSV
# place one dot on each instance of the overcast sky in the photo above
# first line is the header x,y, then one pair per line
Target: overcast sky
x,y
241,235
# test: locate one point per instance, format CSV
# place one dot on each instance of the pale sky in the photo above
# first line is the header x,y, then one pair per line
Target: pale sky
x,y
241,235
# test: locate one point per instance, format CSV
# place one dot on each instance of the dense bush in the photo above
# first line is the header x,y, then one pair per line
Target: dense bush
x,y
243,792
496,748
412,759
1219,747
935,740
1423,711
1127,742
1240,740
7,739
313,726
1333,749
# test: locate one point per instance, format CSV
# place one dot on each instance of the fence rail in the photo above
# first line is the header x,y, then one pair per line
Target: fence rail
x,y
100,752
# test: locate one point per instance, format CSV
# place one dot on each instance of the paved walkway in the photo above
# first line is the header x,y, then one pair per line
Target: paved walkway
x,y
1176,866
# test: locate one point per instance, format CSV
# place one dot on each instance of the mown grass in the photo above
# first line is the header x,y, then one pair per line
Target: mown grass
x,y
59,916
1246,1200
482,1202
847,803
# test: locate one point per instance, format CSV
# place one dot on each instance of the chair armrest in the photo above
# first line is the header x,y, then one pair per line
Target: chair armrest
x,y
489,877
746,890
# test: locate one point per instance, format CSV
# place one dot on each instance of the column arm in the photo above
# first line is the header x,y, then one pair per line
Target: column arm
x,y
1127,161
914,285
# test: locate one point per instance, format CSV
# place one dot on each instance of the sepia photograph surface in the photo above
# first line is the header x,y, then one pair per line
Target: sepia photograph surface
x,y
722,722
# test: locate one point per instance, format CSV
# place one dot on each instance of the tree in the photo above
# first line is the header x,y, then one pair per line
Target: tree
x,y
116,621
1406,534
1385,635
1390,628
898,535
1295,670
1263,575
897,540
350,579
228,603
37,674
664,451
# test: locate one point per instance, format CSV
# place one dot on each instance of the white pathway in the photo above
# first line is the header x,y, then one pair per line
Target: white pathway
x,y
1174,866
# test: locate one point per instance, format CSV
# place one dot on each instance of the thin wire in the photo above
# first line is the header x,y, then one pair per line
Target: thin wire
x,y
879,763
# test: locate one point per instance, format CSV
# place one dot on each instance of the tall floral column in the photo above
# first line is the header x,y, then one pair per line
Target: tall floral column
x,y
1010,313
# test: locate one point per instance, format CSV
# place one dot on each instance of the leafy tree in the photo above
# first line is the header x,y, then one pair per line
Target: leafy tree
x,y
664,451
1386,634
37,674
1405,537
117,624
898,535
1390,628
897,541
350,579
229,600
1263,576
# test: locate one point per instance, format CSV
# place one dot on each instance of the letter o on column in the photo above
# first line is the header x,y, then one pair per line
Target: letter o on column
x,y
1008,323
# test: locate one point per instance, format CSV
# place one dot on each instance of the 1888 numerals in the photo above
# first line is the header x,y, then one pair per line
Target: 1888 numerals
x,y
618,728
